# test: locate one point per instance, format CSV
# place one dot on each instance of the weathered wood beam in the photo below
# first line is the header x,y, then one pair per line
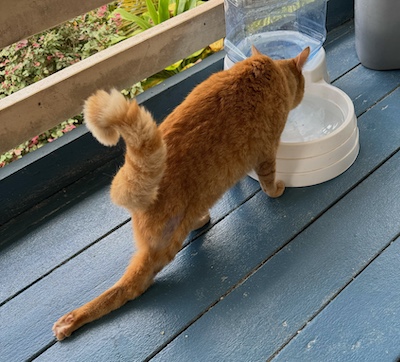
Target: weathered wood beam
x,y
52,100
22,18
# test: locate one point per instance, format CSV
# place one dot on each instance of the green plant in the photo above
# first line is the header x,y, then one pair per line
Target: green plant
x,y
33,59
41,55
181,65
134,22
135,19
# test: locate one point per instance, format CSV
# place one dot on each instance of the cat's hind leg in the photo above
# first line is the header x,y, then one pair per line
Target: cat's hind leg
x,y
150,258
266,172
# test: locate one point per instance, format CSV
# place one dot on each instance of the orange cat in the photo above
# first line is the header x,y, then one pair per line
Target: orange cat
x,y
228,125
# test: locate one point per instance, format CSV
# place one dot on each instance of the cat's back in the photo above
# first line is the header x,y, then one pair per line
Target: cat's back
x,y
248,86
256,75
214,137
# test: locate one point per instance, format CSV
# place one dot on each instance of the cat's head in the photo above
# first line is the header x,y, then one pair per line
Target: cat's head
x,y
296,65
292,70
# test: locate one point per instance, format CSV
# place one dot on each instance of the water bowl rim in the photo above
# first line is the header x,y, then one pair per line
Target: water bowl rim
x,y
346,107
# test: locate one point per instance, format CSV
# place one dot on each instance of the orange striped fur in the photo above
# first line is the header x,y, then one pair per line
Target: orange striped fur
x,y
228,125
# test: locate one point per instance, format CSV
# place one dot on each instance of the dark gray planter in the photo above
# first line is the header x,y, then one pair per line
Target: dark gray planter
x,y
377,28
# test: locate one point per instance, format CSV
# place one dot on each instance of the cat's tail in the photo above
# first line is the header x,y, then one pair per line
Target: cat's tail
x,y
109,116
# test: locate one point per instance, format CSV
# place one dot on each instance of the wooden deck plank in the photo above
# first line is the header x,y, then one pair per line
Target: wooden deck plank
x,y
374,86
268,309
63,225
68,276
37,304
73,228
42,15
223,256
361,324
340,45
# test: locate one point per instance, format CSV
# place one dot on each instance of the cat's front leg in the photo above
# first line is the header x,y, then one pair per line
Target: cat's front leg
x,y
266,172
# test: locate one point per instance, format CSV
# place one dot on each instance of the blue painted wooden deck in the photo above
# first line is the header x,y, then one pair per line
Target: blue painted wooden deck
x,y
311,276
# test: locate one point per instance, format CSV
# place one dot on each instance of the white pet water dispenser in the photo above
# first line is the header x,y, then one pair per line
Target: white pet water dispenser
x,y
320,140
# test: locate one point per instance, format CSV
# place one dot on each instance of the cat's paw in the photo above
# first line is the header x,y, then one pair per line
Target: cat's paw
x,y
64,326
279,189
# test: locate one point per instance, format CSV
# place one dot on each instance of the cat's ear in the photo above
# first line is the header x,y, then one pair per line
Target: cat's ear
x,y
255,51
301,59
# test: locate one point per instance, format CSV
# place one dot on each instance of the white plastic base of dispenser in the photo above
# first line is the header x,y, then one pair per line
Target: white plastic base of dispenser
x,y
313,71
312,162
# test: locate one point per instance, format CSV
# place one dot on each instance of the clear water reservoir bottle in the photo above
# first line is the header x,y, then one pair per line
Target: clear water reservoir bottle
x,y
280,29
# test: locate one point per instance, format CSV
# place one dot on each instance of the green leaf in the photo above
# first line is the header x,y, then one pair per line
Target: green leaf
x,y
136,32
190,4
163,11
152,11
196,54
180,6
173,7
142,23
174,66
125,15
